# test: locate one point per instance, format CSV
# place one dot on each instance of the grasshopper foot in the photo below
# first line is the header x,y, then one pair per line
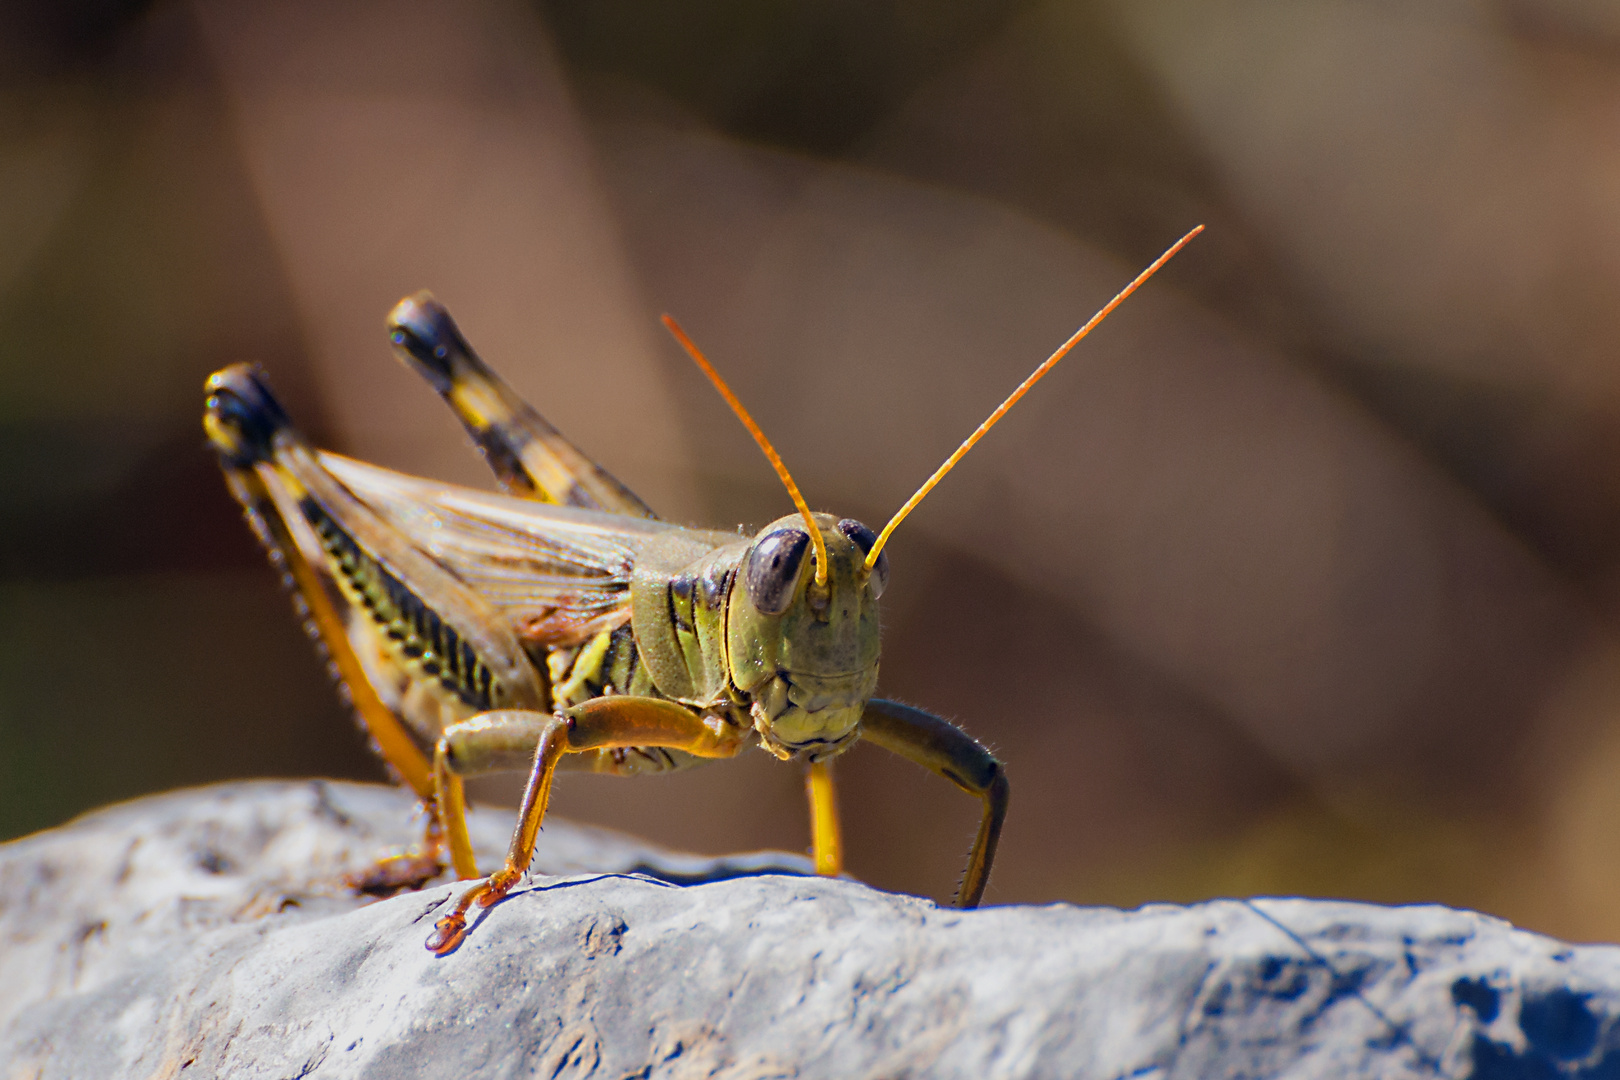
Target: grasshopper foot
x,y
394,874
448,931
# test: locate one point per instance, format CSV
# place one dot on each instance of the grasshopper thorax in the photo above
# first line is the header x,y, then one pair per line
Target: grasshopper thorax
x,y
806,652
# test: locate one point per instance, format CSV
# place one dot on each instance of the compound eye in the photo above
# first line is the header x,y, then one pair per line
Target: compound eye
x,y
864,538
773,569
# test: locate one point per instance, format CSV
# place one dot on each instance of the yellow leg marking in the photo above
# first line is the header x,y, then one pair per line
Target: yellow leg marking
x,y
452,800
393,741
531,458
586,666
826,838
411,869
946,749
620,720
489,742
448,931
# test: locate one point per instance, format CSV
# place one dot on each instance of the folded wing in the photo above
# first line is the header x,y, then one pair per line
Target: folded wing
x,y
560,574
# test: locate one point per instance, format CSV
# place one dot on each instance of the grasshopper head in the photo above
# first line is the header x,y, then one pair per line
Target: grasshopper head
x,y
806,651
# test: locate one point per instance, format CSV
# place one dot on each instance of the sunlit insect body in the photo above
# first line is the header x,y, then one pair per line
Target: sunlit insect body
x,y
562,626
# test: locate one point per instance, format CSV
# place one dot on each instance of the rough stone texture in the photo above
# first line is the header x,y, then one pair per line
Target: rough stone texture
x,y
205,934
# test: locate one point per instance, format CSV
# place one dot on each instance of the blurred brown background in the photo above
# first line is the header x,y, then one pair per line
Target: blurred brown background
x,y
1301,576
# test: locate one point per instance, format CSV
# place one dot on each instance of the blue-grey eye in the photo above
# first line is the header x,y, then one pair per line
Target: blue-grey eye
x,y
864,538
773,569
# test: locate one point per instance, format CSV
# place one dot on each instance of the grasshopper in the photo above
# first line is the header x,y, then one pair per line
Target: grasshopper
x,y
563,626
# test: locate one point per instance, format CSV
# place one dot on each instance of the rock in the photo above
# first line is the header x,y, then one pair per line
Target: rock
x,y
206,933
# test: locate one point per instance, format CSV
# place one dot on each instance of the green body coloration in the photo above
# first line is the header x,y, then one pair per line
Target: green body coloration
x,y
484,632
804,675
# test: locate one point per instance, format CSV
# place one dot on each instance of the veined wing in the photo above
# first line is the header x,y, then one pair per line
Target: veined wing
x,y
559,574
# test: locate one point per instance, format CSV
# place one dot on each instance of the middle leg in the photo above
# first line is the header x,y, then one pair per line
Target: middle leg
x,y
598,724
502,740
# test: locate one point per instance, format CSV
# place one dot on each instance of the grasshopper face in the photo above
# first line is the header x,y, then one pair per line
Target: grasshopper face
x,y
807,653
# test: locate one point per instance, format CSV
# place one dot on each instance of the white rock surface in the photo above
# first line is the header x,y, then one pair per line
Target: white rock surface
x,y
206,934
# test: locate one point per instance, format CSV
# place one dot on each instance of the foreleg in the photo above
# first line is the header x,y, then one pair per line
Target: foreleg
x,y
946,749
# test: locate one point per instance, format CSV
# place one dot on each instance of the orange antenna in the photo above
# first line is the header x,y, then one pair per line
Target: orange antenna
x,y
1023,388
764,444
